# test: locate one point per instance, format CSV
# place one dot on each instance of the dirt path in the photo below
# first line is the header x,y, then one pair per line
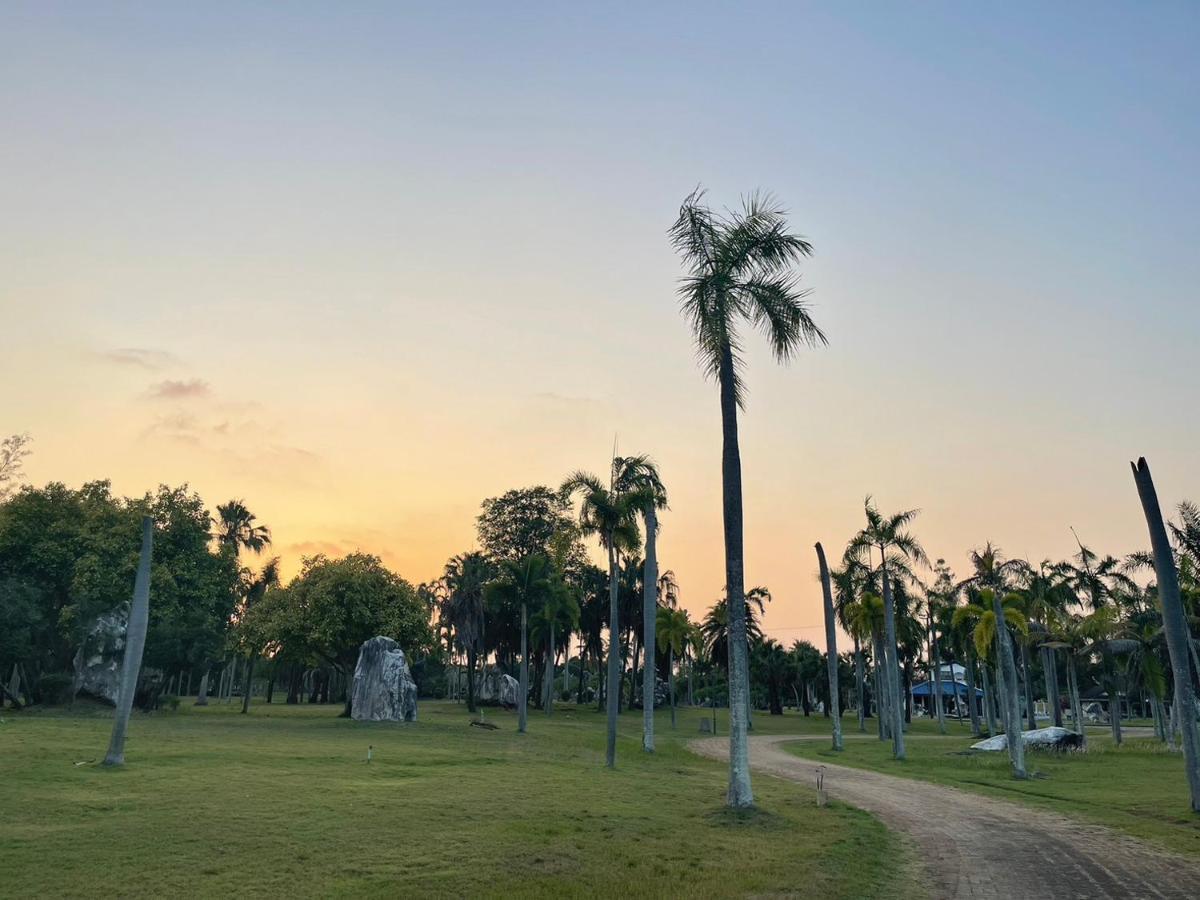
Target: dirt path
x,y
976,846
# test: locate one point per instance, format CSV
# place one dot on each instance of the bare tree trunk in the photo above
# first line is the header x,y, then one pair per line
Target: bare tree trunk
x,y
548,702
249,682
972,700
936,677
135,642
1174,624
1027,666
649,621
1076,705
1050,667
671,681
1012,703
202,694
831,657
860,685
988,699
523,689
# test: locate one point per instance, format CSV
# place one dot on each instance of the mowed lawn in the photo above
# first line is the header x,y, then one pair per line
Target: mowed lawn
x,y
282,802
1139,788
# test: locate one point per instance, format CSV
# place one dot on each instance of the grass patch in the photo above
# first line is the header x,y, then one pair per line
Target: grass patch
x,y
1139,788
281,802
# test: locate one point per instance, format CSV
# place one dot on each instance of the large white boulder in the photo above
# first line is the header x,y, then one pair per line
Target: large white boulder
x,y
98,661
1052,738
384,690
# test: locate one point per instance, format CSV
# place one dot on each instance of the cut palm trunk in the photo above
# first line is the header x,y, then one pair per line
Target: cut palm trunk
x,y
649,620
135,642
831,656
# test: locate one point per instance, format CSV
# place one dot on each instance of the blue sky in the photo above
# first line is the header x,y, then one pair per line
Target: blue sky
x,y
416,255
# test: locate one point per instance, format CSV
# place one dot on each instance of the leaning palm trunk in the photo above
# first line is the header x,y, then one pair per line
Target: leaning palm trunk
x,y
891,665
1012,703
882,695
860,685
614,660
523,700
649,621
135,642
1174,624
740,792
831,657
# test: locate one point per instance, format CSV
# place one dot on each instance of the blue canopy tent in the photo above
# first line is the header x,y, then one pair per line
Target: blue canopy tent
x,y
956,691
925,689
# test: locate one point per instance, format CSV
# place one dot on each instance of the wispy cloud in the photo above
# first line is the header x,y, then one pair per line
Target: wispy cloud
x,y
172,389
138,357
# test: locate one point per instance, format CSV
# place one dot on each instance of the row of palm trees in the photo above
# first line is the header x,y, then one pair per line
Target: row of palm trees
x,y
1009,619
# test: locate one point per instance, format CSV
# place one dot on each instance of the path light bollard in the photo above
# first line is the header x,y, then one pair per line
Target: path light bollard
x,y
822,798
370,752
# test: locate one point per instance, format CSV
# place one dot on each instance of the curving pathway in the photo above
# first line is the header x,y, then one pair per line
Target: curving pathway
x,y
976,846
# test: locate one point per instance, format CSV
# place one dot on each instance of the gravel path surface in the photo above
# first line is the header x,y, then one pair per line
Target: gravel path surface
x,y
976,846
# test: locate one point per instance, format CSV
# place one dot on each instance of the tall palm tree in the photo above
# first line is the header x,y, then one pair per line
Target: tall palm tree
x,y
993,575
890,536
740,270
463,609
525,583
640,474
849,582
237,529
674,629
611,516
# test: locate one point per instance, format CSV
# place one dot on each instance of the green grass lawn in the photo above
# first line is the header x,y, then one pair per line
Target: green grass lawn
x,y
281,802
1138,787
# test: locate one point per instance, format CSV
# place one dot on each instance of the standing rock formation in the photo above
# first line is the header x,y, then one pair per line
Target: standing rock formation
x,y
384,690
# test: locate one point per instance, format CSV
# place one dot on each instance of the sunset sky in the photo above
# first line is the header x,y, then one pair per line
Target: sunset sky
x,y
366,265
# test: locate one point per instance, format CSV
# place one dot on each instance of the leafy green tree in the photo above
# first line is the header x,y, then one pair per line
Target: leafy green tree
x,y
338,604
740,270
775,666
252,641
522,522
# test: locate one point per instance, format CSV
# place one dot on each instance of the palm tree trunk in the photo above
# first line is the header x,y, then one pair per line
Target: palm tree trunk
x,y
671,681
614,660
891,664
988,708
831,657
740,794
936,677
882,714
1027,666
549,701
135,642
972,700
1012,702
649,621
523,689
860,685
472,658
1076,705
249,681
1050,668
1174,624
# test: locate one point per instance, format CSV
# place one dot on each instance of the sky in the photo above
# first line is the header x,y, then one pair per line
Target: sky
x,y
365,265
